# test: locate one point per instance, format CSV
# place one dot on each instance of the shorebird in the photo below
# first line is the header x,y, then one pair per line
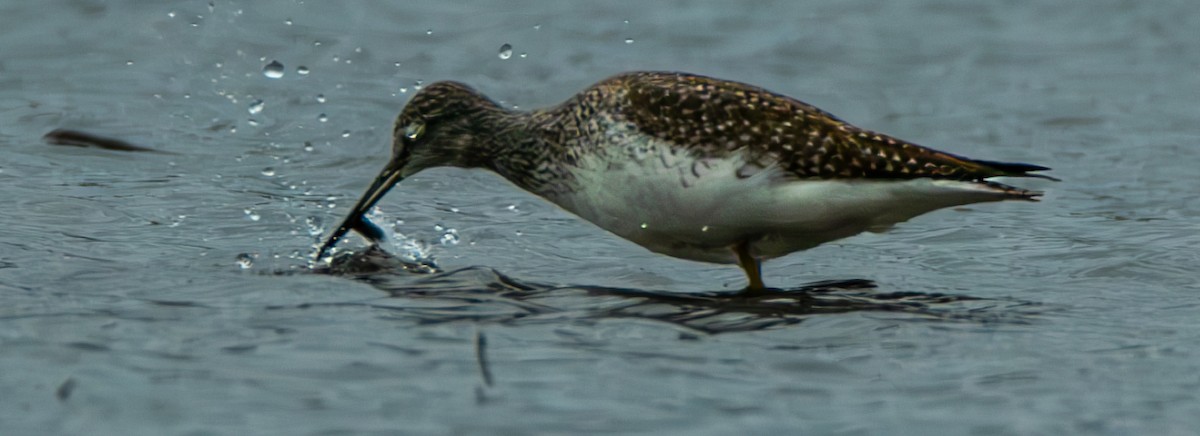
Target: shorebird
x,y
689,166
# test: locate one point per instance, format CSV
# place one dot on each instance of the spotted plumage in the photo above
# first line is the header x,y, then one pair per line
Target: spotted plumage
x,y
690,166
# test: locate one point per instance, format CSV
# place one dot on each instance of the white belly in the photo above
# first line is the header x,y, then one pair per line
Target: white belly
x,y
697,210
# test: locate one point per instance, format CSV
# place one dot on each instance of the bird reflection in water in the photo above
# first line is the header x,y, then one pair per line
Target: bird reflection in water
x,y
485,295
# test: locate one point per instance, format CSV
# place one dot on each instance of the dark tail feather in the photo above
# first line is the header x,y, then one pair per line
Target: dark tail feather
x,y
1015,169
1013,192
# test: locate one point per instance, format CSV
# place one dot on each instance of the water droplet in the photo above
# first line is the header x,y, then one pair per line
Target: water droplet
x,y
345,133
403,90
438,227
704,229
273,70
629,40
315,225
322,118
644,225
429,31
412,250
252,122
537,27
268,171
524,55
626,21
450,237
244,260
506,51
288,21
254,216
513,208
256,106
320,98
171,14
128,62
317,43
302,70
308,146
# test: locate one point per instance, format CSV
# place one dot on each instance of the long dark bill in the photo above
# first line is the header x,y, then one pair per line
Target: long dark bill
x,y
356,221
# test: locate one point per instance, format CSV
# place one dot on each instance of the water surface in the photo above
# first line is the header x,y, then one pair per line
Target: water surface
x,y
169,292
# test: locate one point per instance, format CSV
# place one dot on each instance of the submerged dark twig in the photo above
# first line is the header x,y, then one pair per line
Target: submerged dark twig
x,y
485,370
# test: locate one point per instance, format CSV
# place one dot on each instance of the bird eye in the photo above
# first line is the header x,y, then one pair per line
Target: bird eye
x,y
414,130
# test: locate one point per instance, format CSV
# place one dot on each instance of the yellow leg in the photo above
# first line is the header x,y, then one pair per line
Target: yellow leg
x,y
751,266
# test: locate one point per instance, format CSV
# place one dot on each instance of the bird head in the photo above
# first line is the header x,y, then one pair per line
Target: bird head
x,y
437,127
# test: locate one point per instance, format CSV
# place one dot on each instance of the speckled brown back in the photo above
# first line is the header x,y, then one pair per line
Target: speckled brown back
x,y
715,117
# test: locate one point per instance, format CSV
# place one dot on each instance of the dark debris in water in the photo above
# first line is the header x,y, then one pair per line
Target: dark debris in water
x,y
65,389
483,294
76,138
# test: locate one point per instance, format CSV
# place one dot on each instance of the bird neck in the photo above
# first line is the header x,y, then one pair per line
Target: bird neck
x,y
525,147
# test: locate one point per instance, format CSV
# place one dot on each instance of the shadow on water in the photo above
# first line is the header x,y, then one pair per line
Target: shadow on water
x,y
484,294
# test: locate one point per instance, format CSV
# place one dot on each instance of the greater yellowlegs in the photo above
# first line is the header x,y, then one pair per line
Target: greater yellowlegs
x,y
689,166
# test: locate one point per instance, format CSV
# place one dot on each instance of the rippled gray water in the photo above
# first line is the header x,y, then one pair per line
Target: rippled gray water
x,y
169,293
